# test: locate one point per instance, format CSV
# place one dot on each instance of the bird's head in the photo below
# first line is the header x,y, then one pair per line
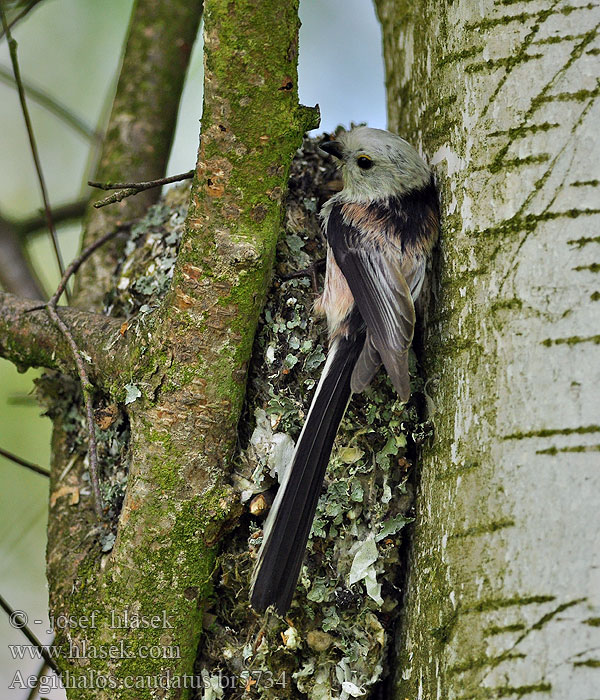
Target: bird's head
x,y
377,164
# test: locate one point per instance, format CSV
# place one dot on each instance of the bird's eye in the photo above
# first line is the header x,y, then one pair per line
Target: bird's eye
x,y
364,162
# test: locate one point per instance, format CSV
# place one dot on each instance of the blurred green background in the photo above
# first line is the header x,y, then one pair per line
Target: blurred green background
x,y
71,49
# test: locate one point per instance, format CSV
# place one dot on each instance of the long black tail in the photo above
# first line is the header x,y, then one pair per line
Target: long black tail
x,y
288,525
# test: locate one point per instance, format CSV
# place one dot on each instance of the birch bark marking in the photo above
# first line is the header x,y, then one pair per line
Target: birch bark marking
x,y
503,595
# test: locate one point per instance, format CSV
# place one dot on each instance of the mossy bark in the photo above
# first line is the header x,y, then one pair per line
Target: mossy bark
x,y
188,363
501,599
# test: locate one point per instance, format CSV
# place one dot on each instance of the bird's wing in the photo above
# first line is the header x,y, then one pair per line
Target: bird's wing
x,y
373,270
366,366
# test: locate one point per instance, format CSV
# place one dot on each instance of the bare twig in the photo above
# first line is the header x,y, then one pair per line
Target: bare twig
x,y
128,189
12,45
52,105
76,264
18,621
87,389
60,214
24,463
24,12
142,185
80,259
33,693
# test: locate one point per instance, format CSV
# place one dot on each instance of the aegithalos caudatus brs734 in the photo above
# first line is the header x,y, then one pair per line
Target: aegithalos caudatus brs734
x,y
380,229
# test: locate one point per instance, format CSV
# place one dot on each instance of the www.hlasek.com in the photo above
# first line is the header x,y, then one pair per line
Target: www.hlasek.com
x,y
98,681
85,650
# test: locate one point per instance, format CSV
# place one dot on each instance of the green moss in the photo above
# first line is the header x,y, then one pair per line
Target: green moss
x,y
491,22
529,222
459,56
574,449
584,240
514,2
506,62
443,633
522,130
501,603
549,432
504,629
571,340
593,267
586,183
513,304
483,662
484,529
507,691
577,96
455,473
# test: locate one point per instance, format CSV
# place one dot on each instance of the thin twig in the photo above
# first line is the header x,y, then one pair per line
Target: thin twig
x,y
33,693
76,264
128,189
52,105
80,259
12,45
87,389
24,12
142,185
17,621
24,463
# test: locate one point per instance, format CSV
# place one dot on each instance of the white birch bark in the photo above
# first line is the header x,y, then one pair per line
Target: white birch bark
x,y
503,594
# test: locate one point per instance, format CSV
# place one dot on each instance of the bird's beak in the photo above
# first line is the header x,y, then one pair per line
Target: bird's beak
x,y
332,147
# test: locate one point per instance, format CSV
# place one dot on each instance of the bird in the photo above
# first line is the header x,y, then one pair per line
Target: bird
x,y
380,229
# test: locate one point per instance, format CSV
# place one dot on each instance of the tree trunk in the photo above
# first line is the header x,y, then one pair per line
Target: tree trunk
x,y
503,593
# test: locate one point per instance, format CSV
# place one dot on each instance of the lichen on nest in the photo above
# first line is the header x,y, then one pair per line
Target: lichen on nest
x,y
334,640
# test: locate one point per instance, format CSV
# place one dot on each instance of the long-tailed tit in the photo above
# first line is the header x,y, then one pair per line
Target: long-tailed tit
x,y
380,229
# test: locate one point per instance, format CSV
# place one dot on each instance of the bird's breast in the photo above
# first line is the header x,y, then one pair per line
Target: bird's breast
x,y
337,301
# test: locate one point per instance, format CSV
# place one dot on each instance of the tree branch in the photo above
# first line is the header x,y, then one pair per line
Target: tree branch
x,y
61,214
80,259
30,339
16,274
